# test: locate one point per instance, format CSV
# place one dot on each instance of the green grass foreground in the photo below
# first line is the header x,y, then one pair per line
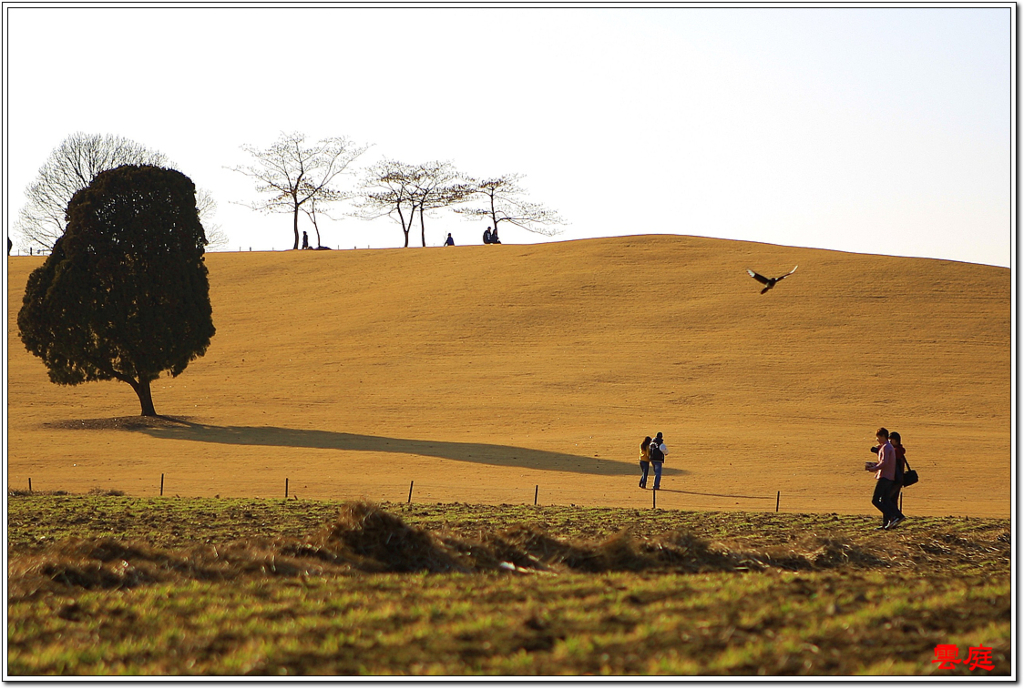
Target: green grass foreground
x,y
103,585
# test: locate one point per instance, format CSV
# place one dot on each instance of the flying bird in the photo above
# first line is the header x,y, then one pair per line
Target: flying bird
x,y
769,282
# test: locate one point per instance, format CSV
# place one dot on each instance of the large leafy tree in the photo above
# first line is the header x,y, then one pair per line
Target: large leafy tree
x,y
124,295
503,200
70,167
295,174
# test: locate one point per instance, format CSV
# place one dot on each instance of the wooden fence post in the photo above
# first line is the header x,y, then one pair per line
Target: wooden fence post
x,y
286,489
778,496
161,485
536,490
410,492
654,499
30,485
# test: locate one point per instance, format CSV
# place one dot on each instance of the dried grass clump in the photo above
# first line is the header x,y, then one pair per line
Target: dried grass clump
x,y
103,564
106,492
381,542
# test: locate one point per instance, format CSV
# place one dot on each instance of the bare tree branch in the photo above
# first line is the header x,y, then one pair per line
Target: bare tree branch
x,y
503,201
389,189
71,167
294,173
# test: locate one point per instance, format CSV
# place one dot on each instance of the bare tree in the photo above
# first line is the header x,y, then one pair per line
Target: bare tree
x,y
207,207
389,188
71,167
294,173
437,185
502,201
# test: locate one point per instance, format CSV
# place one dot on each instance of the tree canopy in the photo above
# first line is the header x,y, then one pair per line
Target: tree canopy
x,y
124,294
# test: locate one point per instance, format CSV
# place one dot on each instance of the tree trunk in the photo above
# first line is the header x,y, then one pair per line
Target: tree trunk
x,y
423,229
295,226
145,397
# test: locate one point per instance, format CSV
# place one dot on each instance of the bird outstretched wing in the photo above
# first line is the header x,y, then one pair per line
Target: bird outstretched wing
x,y
787,274
760,278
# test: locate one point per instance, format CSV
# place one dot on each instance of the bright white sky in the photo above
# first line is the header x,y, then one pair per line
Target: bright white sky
x,y
876,130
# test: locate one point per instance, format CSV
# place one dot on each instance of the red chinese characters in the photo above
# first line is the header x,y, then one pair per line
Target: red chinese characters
x,y
948,657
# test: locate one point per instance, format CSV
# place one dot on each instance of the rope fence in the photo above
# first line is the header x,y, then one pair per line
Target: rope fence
x,y
442,493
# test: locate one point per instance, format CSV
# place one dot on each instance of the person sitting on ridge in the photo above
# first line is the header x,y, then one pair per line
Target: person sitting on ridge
x,y
487,235
449,241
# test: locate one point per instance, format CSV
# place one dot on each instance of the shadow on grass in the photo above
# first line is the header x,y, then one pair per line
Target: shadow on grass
x,y
480,453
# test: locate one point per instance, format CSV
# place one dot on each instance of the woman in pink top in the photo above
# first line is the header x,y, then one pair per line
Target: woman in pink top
x,y
885,474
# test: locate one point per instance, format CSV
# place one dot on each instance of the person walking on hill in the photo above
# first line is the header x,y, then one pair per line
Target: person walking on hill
x,y
901,462
645,460
305,240
885,473
658,452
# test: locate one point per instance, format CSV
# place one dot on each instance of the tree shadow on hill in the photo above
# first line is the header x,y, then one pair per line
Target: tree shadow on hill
x,y
480,453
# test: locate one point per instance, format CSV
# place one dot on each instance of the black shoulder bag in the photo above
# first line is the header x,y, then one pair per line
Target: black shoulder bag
x,y
909,476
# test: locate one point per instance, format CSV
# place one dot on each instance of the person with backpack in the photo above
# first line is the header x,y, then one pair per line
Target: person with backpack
x,y
658,452
645,460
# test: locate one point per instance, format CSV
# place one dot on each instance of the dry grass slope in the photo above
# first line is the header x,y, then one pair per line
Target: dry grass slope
x,y
481,372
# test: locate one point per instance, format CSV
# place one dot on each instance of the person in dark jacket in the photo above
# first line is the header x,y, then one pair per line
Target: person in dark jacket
x,y
901,462
487,235
658,452
449,241
885,473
